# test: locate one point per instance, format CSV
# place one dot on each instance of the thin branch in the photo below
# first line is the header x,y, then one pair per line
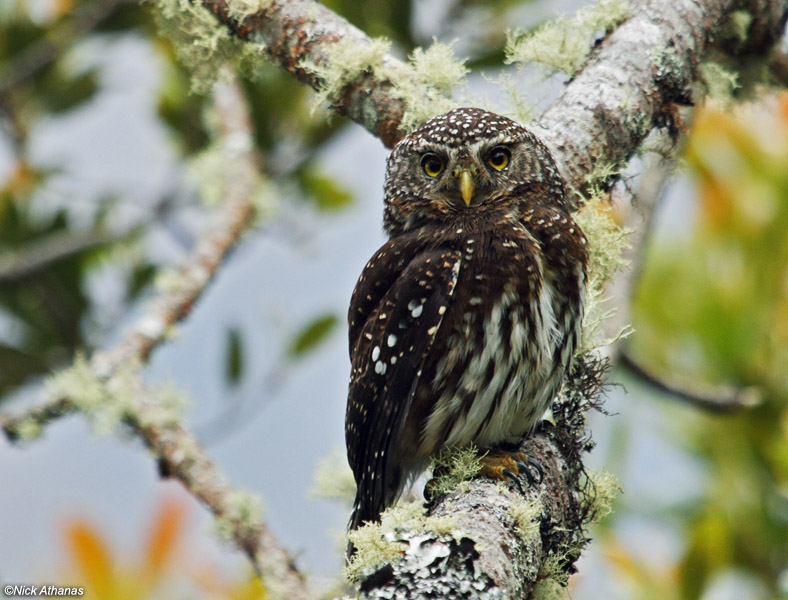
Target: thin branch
x,y
34,59
721,399
39,255
182,457
179,453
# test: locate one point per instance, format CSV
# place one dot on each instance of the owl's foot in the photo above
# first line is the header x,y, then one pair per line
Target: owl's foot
x,y
511,467
504,465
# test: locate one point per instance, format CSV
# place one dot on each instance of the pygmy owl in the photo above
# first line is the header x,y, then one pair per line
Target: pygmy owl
x,y
463,325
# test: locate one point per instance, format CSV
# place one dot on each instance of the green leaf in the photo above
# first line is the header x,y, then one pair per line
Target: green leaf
x,y
327,193
234,365
60,92
311,335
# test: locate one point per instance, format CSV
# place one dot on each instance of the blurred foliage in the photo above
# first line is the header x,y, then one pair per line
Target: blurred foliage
x,y
234,366
157,573
310,336
714,308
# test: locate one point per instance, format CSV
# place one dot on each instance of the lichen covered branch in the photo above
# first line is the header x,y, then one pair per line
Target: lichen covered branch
x,y
488,540
108,390
637,72
298,33
237,513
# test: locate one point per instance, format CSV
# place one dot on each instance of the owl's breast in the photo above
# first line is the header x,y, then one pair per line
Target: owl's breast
x,y
502,352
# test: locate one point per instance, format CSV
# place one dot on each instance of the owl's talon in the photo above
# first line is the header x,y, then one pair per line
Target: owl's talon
x,y
511,467
515,479
532,462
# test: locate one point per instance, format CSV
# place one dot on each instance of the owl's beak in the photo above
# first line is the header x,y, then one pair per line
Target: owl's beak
x,y
466,185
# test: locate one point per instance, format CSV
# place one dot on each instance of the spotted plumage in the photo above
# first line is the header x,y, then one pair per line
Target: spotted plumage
x,y
463,325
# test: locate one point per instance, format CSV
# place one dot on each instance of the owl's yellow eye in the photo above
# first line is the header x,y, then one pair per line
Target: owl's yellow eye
x,y
499,158
432,164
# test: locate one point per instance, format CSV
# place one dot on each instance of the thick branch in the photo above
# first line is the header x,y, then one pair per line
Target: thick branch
x,y
646,64
604,113
296,30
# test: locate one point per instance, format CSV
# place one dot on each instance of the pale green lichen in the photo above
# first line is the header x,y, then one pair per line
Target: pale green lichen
x,y
445,526
28,429
106,402
243,513
346,60
424,83
240,9
438,66
564,43
91,395
204,45
606,243
451,467
333,479
525,514
377,544
601,490
436,69
719,83
166,408
737,26
551,584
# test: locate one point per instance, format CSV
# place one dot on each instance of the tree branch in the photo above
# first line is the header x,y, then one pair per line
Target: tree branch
x,y
296,30
720,399
182,457
178,452
636,73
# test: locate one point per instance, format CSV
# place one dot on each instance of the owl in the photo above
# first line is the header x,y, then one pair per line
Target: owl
x,y
463,325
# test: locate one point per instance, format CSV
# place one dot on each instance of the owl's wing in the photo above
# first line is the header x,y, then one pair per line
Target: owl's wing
x,y
389,343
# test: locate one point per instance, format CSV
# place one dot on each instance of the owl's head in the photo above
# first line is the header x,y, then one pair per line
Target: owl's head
x,y
467,162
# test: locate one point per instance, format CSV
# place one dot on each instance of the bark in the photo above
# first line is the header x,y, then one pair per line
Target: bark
x,y
637,74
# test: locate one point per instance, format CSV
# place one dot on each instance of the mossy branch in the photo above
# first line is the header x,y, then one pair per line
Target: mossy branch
x,y
619,94
485,540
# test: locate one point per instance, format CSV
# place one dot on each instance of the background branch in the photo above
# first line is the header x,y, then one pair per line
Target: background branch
x,y
42,54
720,398
179,453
